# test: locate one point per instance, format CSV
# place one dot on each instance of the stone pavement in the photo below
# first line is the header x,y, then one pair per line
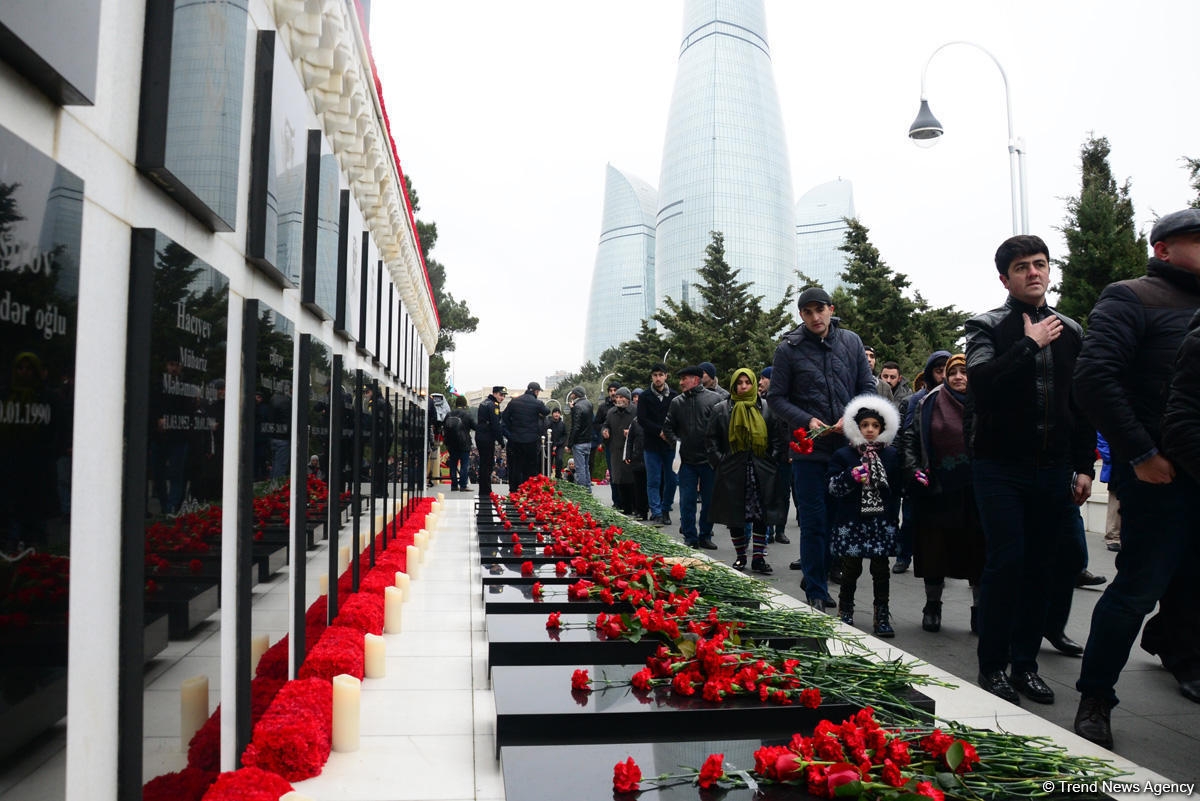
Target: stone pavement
x,y
1154,726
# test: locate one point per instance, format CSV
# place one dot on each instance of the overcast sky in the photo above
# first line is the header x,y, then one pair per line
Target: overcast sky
x,y
505,115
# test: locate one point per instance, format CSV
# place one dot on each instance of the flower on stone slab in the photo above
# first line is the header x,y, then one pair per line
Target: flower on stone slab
x,y
712,770
527,568
537,589
552,622
581,681
626,776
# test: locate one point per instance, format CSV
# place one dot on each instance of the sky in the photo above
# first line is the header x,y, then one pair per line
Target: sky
x,y
505,115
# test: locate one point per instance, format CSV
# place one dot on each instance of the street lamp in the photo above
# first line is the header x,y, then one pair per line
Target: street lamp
x,y
926,130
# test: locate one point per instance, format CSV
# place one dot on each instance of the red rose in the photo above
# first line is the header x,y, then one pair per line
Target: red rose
x,y
581,681
842,773
527,568
537,589
552,621
810,697
626,776
789,767
712,771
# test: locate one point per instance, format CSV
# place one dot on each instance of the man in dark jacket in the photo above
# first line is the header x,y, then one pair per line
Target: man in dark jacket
x,y
456,432
659,453
523,426
818,369
579,440
1134,334
615,433
687,423
709,380
488,434
598,442
1027,438
558,441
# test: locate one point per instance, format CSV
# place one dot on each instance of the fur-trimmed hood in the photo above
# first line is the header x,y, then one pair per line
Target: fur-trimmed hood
x,y
882,407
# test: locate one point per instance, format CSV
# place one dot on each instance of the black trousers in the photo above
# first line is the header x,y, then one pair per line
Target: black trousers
x,y
487,461
522,463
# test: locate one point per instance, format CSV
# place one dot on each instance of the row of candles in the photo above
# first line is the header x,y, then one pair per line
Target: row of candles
x,y
193,693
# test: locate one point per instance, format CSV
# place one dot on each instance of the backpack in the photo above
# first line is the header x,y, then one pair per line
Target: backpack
x,y
456,433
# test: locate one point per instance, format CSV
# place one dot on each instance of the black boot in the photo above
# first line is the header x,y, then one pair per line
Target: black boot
x,y
759,565
846,613
931,616
883,627
1093,721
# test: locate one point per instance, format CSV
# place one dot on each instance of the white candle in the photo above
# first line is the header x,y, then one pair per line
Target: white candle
x,y
413,560
374,656
258,646
292,795
393,608
343,559
404,583
441,497
346,693
193,708
323,581
432,521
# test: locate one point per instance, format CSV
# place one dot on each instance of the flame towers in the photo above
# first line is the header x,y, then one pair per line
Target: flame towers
x,y
724,168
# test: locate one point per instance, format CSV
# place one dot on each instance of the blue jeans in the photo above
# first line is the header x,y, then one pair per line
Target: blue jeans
x,y
1021,509
812,510
458,469
692,477
1160,536
660,480
583,460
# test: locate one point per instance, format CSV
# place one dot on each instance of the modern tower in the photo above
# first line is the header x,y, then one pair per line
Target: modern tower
x,y
725,163
623,280
821,230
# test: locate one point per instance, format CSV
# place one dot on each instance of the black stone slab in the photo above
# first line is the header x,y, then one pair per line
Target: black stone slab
x,y
40,701
186,605
540,772
497,558
519,600
506,538
535,705
157,634
499,573
270,559
491,552
517,639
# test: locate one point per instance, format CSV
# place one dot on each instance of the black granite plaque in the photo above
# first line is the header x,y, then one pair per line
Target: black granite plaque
x,y
190,125
511,574
535,705
41,212
366,293
322,210
54,44
319,375
273,407
350,255
525,640
518,599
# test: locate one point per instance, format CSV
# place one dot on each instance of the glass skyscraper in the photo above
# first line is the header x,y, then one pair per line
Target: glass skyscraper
x,y
821,230
623,280
725,164
724,168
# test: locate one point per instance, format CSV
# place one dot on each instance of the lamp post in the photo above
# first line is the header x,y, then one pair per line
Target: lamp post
x,y
926,130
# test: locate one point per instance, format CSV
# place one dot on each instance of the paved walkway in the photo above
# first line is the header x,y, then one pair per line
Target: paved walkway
x,y
1154,726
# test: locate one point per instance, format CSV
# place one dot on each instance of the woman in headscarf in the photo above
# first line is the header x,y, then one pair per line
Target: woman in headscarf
x,y
949,540
744,448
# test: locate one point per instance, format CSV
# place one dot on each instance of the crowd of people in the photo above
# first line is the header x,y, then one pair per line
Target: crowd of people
x,y
976,470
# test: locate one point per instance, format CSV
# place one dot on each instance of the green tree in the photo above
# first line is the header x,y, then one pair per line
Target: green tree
x,y
638,355
1103,243
871,302
1193,168
730,329
454,314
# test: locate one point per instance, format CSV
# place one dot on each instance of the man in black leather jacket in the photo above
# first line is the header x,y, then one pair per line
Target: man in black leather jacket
x,y
579,440
1027,440
686,423
489,433
1122,376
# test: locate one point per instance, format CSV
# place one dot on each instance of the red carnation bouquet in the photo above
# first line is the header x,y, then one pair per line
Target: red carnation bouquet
x,y
294,736
247,784
340,650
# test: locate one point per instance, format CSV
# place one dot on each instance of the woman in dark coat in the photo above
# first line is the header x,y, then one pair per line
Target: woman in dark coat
x,y
744,448
949,539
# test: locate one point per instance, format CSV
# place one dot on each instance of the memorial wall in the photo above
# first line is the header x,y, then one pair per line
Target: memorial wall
x,y
202,234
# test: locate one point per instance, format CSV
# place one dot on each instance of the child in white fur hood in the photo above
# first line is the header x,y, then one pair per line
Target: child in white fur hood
x,y
864,480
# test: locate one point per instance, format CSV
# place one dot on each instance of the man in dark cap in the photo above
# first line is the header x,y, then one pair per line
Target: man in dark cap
x,y
818,368
709,380
488,434
1127,361
523,427
687,423
658,453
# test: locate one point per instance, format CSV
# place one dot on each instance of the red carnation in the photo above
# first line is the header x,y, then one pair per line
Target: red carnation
x,y
626,776
641,679
560,568
196,565
552,622
678,572
248,784
518,549
581,681
712,771
527,568
537,589
892,774
929,791
810,697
